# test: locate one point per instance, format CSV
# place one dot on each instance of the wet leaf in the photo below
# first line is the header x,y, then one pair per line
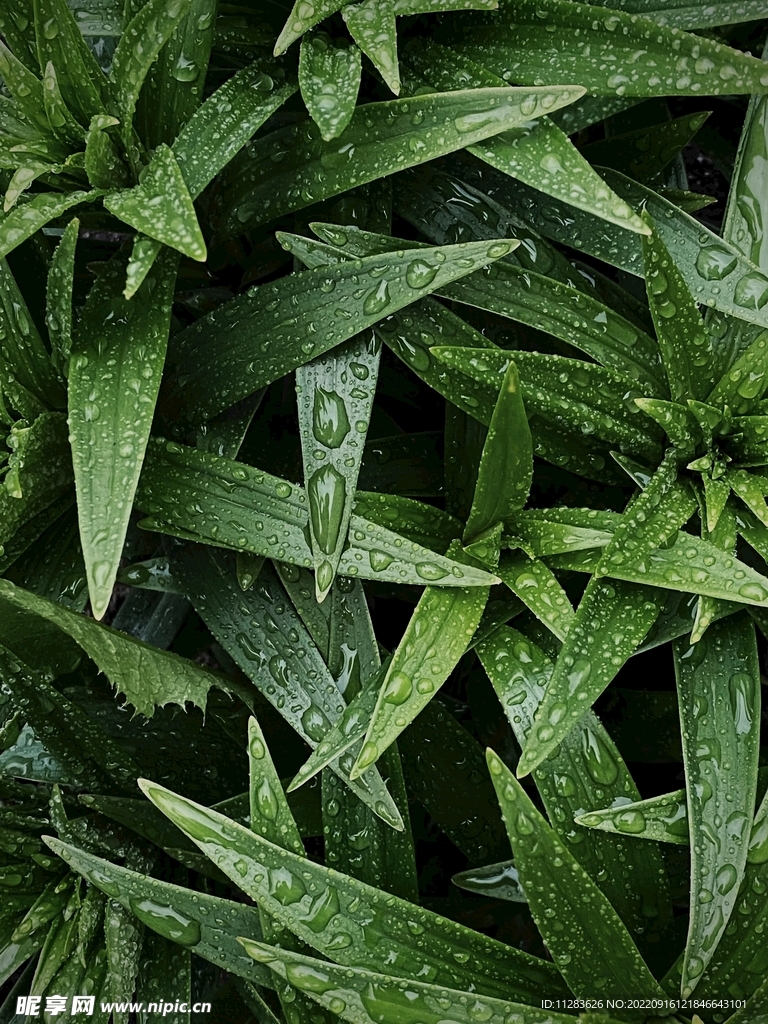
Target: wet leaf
x,y
265,643
175,477
190,919
611,621
719,695
366,997
593,951
23,358
141,42
382,137
644,153
148,677
608,53
506,466
586,771
439,632
302,316
329,77
372,25
663,819
114,377
28,217
58,310
161,206
538,588
342,906
684,14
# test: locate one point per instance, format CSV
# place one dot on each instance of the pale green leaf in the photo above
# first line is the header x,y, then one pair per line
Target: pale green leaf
x,y
161,206
147,676
538,588
27,218
663,819
329,77
372,25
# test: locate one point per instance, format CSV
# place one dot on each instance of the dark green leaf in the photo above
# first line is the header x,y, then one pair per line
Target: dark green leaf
x,y
329,77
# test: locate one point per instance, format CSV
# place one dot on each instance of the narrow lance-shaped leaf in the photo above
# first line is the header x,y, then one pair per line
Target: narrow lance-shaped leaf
x,y
335,396
58,307
719,696
268,652
329,77
746,380
279,881
539,153
174,86
686,14
302,316
84,88
506,465
141,41
601,51
654,515
147,676
569,393
24,357
27,218
664,819
644,153
161,207
439,632
372,25
591,947
686,347
586,771
191,919
272,518
538,588
611,621
385,137
368,997
114,377
25,88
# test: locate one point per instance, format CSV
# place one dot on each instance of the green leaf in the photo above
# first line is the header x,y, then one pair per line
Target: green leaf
x,y
147,676
591,947
103,164
174,86
368,997
18,30
372,25
279,881
560,41
142,39
746,379
644,153
163,960
175,476
538,153
25,88
538,588
335,396
611,621
751,488
24,358
329,77
302,316
684,14
437,635
586,771
124,939
499,881
27,218
676,421
293,168
227,119
663,819
506,466
161,206
570,393
270,814
719,696
653,516
84,88
686,348
315,702
114,377
58,307
191,919
514,292
63,124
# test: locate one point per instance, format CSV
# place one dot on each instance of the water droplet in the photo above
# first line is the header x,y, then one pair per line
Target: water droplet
x,y
167,921
742,692
377,300
714,264
420,274
330,423
398,689
751,291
